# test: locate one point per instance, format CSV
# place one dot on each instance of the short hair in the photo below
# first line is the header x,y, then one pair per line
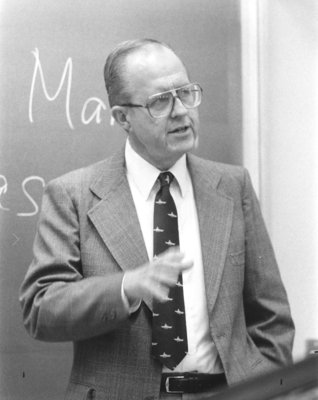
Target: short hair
x,y
116,87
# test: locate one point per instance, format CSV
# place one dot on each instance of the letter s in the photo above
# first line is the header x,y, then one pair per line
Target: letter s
x,y
36,207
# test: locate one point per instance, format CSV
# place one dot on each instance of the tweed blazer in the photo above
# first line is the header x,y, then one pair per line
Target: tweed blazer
x,y
89,235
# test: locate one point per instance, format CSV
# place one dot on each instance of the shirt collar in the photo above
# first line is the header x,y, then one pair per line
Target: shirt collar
x,y
146,180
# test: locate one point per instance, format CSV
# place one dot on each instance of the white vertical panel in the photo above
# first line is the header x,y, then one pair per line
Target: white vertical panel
x,y
250,90
288,68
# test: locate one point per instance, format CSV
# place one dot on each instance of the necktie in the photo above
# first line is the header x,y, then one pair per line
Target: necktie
x,y
169,333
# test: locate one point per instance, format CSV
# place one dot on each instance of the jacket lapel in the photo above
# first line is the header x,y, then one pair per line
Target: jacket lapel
x,y
215,213
115,217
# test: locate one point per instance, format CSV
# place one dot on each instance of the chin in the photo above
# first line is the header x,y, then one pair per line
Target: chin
x,y
186,146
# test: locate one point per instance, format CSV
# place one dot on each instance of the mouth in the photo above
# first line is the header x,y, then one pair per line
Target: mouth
x,y
180,129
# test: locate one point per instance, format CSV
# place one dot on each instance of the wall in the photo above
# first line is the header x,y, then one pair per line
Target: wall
x,y
55,118
288,122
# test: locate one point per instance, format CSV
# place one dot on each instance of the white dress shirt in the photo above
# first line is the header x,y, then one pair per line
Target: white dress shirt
x,y
142,178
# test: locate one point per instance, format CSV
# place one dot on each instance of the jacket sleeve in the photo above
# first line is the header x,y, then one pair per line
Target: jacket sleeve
x,y
58,303
266,306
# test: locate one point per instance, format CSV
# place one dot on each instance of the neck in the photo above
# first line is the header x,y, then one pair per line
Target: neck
x,y
161,164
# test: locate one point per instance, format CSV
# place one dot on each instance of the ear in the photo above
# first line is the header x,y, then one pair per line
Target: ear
x,y
120,115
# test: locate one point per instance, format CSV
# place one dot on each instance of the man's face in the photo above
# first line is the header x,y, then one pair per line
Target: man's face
x,y
161,141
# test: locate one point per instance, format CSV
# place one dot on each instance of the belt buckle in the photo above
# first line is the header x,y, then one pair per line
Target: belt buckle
x,y
167,384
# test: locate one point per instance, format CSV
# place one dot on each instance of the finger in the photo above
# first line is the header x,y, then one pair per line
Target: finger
x,y
174,259
171,254
160,293
178,266
167,280
169,276
184,264
168,272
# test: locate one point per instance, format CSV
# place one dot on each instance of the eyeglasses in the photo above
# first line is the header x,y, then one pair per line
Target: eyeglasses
x,y
161,104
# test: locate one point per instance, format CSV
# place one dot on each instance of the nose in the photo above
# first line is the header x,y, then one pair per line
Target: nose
x,y
178,109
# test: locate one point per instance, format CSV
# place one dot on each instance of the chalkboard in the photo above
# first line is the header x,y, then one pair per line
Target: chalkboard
x,y
55,118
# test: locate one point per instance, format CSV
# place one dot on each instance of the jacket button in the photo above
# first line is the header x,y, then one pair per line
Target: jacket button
x,y
91,394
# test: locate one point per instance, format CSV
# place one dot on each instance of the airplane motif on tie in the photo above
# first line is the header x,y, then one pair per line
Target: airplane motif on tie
x,y
172,215
169,334
160,202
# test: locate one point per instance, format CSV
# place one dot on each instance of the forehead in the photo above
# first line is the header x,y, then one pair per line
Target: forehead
x,y
154,68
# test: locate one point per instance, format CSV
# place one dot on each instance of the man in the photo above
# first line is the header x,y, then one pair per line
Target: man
x,y
102,276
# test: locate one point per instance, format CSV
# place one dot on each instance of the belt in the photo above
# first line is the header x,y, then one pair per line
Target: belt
x,y
189,382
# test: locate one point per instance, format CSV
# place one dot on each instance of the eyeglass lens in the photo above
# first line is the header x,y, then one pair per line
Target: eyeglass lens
x,y
161,104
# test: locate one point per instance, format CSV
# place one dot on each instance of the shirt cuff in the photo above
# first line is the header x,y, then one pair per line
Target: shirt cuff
x,y
131,308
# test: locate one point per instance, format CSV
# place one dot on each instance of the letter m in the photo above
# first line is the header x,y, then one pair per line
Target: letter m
x,y
66,73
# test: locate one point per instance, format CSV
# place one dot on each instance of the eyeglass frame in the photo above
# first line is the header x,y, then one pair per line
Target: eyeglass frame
x,y
174,95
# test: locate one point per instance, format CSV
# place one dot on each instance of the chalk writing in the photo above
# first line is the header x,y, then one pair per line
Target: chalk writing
x,y
66,78
17,239
4,189
96,113
68,69
36,207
